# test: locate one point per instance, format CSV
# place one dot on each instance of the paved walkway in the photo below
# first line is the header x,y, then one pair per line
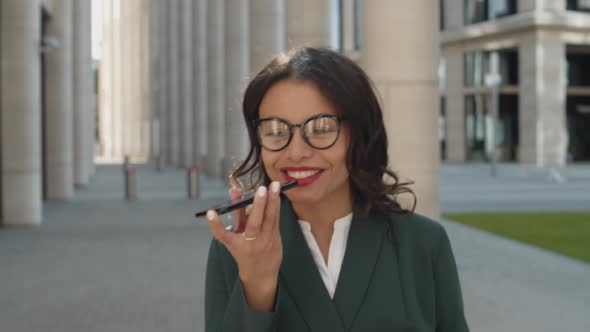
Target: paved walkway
x,y
515,188
102,264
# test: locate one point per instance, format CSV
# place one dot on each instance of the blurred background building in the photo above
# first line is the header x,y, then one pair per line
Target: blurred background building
x,y
47,105
172,72
544,103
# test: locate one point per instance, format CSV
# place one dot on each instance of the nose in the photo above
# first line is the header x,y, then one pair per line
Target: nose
x,y
298,149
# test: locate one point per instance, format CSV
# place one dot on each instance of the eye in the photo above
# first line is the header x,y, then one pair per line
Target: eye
x,y
322,130
275,133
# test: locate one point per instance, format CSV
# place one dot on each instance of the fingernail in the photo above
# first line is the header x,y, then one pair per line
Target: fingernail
x,y
261,192
210,215
275,186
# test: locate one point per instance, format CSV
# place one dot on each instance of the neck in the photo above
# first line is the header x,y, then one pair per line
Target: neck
x,y
323,214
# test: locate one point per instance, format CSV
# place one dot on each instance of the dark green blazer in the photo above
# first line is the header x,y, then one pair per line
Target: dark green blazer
x,y
400,278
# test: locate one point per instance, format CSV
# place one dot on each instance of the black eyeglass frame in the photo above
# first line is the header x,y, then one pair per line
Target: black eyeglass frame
x,y
257,122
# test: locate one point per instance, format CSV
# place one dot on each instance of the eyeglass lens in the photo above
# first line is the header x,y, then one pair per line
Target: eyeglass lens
x,y
320,133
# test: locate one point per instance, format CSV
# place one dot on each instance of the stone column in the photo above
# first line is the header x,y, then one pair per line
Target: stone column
x,y
455,105
118,119
200,97
173,82
216,86
164,111
20,113
145,83
267,31
123,109
106,84
58,116
309,23
82,89
237,66
186,82
542,115
154,77
400,53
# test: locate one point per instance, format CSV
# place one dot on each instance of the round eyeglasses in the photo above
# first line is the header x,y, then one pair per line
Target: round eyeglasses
x,y
320,131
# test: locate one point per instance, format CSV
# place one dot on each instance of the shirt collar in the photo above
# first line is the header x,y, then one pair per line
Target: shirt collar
x,y
339,223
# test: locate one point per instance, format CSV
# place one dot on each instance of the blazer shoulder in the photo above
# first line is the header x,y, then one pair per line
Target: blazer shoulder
x,y
419,230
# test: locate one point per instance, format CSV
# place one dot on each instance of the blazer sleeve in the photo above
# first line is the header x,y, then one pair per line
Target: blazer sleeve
x,y
226,309
449,299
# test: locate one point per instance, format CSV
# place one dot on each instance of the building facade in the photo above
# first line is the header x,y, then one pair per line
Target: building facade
x,y
201,54
543,49
46,105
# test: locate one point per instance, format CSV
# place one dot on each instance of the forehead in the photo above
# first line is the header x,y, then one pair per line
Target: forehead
x,y
294,101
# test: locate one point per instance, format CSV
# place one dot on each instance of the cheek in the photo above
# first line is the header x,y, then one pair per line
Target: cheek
x,y
268,160
343,150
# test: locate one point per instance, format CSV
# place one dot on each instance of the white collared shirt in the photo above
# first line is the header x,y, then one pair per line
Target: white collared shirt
x,y
331,271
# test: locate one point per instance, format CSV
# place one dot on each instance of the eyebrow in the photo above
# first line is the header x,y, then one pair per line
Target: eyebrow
x,y
313,116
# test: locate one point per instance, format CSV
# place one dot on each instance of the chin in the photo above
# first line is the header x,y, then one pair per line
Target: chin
x,y
302,197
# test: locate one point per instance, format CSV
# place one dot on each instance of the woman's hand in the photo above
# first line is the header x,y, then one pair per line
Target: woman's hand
x,y
255,245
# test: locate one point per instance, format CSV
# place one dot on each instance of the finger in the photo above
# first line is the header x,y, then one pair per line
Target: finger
x,y
277,223
270,212
239,215
255,218
218,230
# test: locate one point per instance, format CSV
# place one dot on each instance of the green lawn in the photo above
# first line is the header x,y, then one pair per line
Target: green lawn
x,y
567,233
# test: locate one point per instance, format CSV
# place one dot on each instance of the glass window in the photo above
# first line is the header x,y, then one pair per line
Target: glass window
x,y
357,24
477,66
509,66
501,8
475,127
507,131
476,11
336,24
578,69
441,15
582,5
578,122
479,129
442,128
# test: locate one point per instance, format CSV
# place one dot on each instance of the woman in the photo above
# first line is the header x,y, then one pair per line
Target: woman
x,y
336,253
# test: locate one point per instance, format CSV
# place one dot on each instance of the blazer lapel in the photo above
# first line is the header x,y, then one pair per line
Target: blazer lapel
x,y
362,251
301,277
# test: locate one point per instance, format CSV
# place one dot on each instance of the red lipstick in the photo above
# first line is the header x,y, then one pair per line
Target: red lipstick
x,y
302,182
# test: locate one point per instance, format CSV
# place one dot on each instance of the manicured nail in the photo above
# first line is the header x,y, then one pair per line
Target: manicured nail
x,y
261,192
275,186
210,215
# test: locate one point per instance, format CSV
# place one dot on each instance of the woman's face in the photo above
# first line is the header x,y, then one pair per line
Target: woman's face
x,y
322,174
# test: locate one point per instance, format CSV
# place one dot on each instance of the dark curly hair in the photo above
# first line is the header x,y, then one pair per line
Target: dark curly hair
x,y
351,92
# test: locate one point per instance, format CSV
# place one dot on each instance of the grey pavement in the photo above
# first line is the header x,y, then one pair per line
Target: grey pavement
x,y
102,264
510,286
470,187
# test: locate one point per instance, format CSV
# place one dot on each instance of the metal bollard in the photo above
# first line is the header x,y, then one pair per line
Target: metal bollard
x,y
192,182
130,183
125,163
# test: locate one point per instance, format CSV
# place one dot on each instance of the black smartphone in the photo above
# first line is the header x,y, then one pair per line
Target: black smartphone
x,y
247,199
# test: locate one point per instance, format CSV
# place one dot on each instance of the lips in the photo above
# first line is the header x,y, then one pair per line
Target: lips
x,y
303,175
